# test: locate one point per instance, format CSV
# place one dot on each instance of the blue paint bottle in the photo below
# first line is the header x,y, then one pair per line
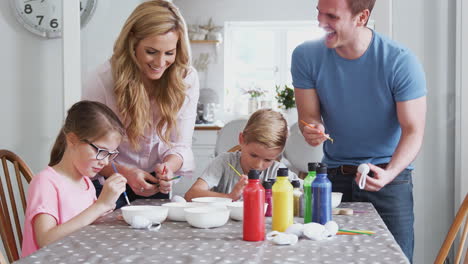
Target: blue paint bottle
x,y
321,191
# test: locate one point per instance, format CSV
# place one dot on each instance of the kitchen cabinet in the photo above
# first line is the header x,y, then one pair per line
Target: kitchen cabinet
x,y
203,145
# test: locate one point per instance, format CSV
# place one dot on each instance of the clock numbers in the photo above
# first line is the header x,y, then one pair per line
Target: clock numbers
x,y
40,19
54,23
28,9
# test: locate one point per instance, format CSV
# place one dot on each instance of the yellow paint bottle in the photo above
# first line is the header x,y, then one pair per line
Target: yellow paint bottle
x,y
283,202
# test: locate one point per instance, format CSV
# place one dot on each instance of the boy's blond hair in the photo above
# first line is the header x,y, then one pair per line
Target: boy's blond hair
x,y
266,127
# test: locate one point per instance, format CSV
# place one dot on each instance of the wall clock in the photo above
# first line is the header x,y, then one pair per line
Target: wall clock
x,y
44,17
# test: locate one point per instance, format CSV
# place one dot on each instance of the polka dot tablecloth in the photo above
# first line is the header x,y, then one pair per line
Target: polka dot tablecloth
x,y
110,240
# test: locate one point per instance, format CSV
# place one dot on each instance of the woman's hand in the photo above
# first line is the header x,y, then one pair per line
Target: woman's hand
x,y
141,182
238,189
164,174
112,189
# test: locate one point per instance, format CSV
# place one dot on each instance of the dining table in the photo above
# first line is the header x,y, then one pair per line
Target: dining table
x,y
111,240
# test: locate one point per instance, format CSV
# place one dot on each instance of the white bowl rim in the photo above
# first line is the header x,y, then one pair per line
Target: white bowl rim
x,y
133,208
209,199
204,209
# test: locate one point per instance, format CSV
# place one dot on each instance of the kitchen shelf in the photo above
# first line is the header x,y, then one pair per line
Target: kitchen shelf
x,y
205,41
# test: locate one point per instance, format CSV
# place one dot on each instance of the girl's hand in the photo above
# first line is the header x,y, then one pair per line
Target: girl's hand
x,y
164,174
314,136
141,182
238,189
112,189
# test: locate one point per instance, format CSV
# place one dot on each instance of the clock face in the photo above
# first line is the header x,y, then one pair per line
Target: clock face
x,y
44,17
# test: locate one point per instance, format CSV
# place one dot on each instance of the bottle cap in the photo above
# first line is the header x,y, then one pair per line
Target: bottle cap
x,y
322,169
312,166
272,180
296,183
282,172
267,184
254,175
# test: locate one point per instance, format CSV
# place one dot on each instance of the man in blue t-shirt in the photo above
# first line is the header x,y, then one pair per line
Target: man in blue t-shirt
x,y
369,94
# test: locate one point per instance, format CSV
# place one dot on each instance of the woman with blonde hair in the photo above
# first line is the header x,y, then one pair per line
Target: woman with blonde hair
x,y
149,83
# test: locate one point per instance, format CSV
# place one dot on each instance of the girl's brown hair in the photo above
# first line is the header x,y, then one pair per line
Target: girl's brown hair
x,y
266,127
151,18
87,120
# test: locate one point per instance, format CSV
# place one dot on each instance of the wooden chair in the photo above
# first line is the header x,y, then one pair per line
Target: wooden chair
x,y
10,238
2,259
235,148
452,234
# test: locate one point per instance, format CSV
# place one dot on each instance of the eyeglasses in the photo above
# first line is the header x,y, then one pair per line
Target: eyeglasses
x,y
102,153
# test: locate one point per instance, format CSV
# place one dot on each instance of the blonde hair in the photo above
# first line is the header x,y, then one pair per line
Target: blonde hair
x,y
266,127
151,18
87,120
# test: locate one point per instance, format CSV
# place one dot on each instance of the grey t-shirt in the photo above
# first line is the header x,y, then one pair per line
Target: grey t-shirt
x,y
221,178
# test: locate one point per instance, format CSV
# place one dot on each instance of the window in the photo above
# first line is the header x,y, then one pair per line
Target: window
x,y
257,56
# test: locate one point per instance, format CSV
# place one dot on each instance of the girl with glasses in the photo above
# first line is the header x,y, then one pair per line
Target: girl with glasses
x,y
61,198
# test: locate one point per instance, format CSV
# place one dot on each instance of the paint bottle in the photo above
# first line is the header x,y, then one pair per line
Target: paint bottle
x,y
283,202
254,213
297,197
307,185
268,197
321,192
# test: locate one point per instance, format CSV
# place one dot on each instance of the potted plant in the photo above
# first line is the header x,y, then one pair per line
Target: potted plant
x,y
287,102
254,93
285,97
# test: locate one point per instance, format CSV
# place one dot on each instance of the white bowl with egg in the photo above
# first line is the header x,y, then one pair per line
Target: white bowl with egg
x,y
176,210
236,210
206,216
156,214
213,201
336,199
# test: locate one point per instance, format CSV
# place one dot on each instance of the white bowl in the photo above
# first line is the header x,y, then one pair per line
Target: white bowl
x,y
213,201
336,199
156,214
237,210
176,210
206,216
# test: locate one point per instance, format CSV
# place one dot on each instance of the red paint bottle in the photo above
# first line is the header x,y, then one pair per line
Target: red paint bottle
x,y
254,214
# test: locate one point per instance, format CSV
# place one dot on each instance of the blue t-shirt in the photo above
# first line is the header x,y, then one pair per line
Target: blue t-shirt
x,y
358,97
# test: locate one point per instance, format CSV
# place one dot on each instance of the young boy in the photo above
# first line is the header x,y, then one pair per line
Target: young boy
x,y
262,142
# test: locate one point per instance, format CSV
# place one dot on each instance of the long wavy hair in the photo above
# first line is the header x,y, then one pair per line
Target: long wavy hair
x,y
87,120
152,18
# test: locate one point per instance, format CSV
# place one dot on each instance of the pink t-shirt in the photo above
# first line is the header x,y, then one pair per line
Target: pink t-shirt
x,y
100,87
51,193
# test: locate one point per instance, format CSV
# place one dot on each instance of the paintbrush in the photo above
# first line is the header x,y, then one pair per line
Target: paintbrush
x,y
321,132
232,167
125,193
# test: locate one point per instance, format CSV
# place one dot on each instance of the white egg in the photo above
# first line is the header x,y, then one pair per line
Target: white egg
x,y
178,199
331,228
314,231
272,235
140,222
296,229
282,238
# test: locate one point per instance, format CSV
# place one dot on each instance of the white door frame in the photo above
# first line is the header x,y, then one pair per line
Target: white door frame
x,y
461,128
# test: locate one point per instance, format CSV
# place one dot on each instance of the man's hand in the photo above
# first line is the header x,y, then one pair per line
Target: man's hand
x,y
314,134
381,178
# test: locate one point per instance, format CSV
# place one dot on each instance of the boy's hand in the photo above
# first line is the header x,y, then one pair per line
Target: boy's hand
x,y
112,189
238,189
